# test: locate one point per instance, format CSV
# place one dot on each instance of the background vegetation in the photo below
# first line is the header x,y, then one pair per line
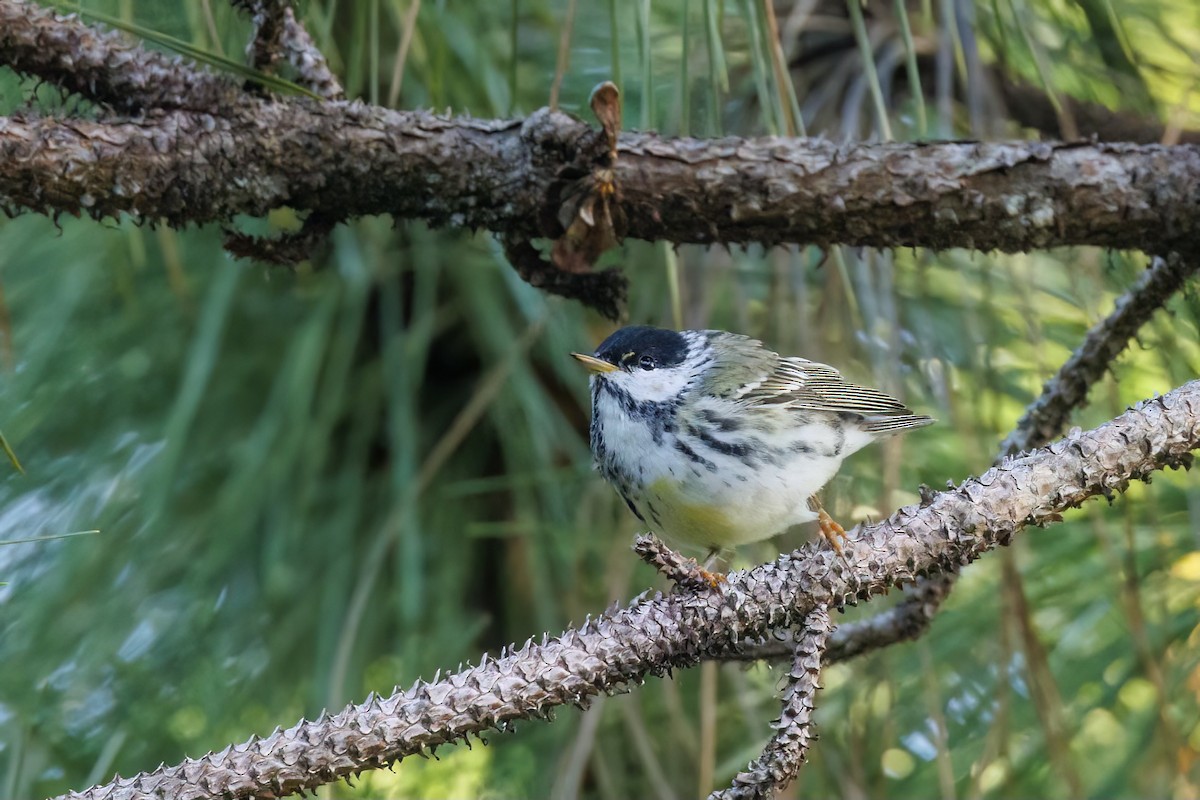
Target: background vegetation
x,y
317,484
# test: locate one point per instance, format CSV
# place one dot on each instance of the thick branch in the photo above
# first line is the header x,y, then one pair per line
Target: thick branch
x,y
103,66
337,159
348,159
678,630
1010,196
206,152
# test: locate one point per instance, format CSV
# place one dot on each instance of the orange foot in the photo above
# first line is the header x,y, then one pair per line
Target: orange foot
x,y
832,531
713,579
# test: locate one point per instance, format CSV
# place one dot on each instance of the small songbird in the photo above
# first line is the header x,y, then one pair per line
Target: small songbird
x,y
716,441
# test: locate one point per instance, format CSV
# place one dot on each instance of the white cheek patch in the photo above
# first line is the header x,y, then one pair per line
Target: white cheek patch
x,y
651,386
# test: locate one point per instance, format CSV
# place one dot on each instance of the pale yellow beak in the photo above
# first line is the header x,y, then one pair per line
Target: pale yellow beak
x,y
594,364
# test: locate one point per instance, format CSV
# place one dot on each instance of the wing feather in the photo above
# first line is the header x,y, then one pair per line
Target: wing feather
x,y
754,376
812,386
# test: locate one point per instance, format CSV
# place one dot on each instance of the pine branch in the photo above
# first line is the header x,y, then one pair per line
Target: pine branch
x,y
1068,389
1044,419
348,159
905,621
682,571
786,751
228,152
280,36
103,66
650,637
200,148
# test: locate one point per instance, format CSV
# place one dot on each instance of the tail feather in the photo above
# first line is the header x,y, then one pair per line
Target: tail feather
x,y
895,423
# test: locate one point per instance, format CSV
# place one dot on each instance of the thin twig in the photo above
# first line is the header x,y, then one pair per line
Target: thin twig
x,y
793,122
564,53
1068,389
1046,700
408,27
937,719
678,569
643,747
786,751
706,757
279,36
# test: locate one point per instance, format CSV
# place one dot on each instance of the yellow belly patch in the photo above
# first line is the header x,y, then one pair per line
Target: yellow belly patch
x,y
701,524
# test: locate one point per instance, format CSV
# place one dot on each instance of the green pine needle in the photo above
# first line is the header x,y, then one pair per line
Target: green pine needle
x,y
48,538
12,456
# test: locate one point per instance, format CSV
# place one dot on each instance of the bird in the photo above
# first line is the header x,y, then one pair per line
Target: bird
x,y
717,441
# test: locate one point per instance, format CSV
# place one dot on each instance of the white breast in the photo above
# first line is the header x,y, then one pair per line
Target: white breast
x,y
696,483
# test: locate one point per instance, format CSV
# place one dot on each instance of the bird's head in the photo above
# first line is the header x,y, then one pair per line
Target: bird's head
x,y
650,365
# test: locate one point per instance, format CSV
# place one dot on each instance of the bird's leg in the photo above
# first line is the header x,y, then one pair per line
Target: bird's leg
x,y
832,531
710,560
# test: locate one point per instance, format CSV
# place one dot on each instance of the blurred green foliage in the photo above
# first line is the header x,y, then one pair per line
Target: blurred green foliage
x,y
316,484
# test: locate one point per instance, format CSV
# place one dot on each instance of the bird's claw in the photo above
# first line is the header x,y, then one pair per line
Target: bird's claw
x,y
831,530
713,579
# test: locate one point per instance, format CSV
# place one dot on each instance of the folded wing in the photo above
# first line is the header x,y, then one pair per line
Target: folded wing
x,y
811,386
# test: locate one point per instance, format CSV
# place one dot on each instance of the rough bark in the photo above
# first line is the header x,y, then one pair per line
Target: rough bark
x,y
201,156
904,621
794,730
279,36
677,630
104,66
349,159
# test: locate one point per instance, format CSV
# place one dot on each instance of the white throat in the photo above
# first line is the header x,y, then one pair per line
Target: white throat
x,y
663,384
650,386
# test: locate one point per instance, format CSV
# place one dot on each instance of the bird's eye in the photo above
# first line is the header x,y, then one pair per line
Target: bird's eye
x,y
647,362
